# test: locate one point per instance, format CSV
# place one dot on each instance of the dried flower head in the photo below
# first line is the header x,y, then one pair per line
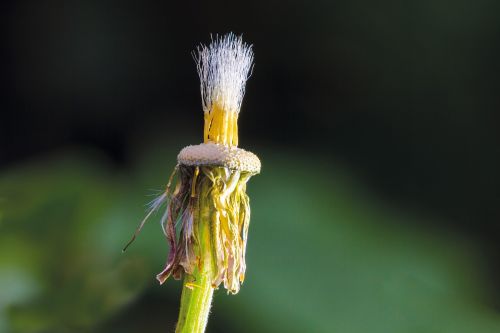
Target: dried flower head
x,y
208,212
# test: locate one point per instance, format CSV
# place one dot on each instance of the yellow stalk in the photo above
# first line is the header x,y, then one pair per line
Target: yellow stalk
x,y
221,126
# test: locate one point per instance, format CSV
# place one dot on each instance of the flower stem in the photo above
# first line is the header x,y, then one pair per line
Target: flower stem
x,y
197,290
195,306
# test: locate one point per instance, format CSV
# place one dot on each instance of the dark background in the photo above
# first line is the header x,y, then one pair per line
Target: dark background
x,y
403,96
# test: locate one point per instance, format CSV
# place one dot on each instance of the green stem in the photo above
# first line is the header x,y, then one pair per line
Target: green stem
x,y
197,290
195,306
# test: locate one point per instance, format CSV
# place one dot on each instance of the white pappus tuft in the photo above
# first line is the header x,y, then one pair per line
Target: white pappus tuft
x,y
224,67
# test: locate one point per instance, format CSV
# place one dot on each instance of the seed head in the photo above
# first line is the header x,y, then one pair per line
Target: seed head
x,y
208,212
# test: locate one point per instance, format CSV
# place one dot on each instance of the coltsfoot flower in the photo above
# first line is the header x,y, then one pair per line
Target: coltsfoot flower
x,y
210,190
208,211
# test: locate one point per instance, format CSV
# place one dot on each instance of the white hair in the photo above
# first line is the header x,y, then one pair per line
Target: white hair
x,y
224,67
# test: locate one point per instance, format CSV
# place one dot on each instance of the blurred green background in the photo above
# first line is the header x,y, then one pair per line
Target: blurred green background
x,y
377,125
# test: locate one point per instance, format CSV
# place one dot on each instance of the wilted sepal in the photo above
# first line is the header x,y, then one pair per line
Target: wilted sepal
x,y
218,199
180,209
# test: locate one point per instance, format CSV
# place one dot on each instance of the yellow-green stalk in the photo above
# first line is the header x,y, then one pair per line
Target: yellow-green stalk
x,y
209,208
